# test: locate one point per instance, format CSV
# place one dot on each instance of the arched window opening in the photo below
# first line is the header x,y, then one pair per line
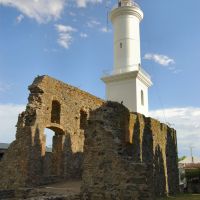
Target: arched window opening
x,y
55,112
142,98
49,134
83,119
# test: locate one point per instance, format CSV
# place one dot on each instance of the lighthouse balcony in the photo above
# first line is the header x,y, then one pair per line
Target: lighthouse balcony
x,y
126,70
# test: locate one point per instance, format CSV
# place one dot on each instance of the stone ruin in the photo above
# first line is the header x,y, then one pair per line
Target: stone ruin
x,y
116,154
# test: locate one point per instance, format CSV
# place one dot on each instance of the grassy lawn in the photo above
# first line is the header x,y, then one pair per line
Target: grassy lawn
x,y
183,197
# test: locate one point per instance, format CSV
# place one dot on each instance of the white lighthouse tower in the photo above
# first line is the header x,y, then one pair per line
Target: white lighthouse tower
x,y
128,82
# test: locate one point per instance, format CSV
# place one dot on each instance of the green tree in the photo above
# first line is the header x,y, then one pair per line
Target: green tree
x,y
181,158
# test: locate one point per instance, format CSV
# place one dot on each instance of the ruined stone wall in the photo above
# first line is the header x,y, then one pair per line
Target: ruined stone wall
x,y
61,108
155,144
117,143
109,171
124,153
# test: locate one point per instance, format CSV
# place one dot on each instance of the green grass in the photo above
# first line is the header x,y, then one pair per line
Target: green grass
x,y
183,197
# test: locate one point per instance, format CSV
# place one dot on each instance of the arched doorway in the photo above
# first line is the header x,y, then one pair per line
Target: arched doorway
x,y
54,152
49,139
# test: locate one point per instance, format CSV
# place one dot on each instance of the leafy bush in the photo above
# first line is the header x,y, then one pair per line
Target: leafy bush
x,y
192,174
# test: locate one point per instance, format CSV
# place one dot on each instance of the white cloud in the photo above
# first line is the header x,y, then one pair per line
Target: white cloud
x,y
84,3
83,35
93,23
187,123
160,59
62,28
19,18
105,30
65,35
8,118
41,10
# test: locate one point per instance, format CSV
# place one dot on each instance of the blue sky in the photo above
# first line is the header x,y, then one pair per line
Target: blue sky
x,y
71,41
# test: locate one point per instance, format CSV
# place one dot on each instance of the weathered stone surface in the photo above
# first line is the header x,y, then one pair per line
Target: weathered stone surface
x,y
109,170
26,162
155,144
125,155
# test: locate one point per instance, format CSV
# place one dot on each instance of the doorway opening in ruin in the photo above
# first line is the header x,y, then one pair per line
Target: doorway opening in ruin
x,y
53,165
49,139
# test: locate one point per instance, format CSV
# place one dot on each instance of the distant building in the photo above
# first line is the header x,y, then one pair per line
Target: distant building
x,y
189,174
189,162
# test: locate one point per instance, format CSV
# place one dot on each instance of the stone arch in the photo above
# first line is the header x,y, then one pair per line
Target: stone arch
x,y
55,112
58,129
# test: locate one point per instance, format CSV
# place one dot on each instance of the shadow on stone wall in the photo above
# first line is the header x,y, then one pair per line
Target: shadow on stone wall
x,y
61,164
159,173
109,169
72,171
136,141
32,166
147,152
172,162
35,170
155,144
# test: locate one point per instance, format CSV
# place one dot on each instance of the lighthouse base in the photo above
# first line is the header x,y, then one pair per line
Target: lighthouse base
x,y
130,89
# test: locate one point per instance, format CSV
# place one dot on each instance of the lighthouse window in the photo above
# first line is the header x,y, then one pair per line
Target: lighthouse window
x,y
142,97
120,45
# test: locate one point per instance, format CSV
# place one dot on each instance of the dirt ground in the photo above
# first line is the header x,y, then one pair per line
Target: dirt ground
x,y
62,188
